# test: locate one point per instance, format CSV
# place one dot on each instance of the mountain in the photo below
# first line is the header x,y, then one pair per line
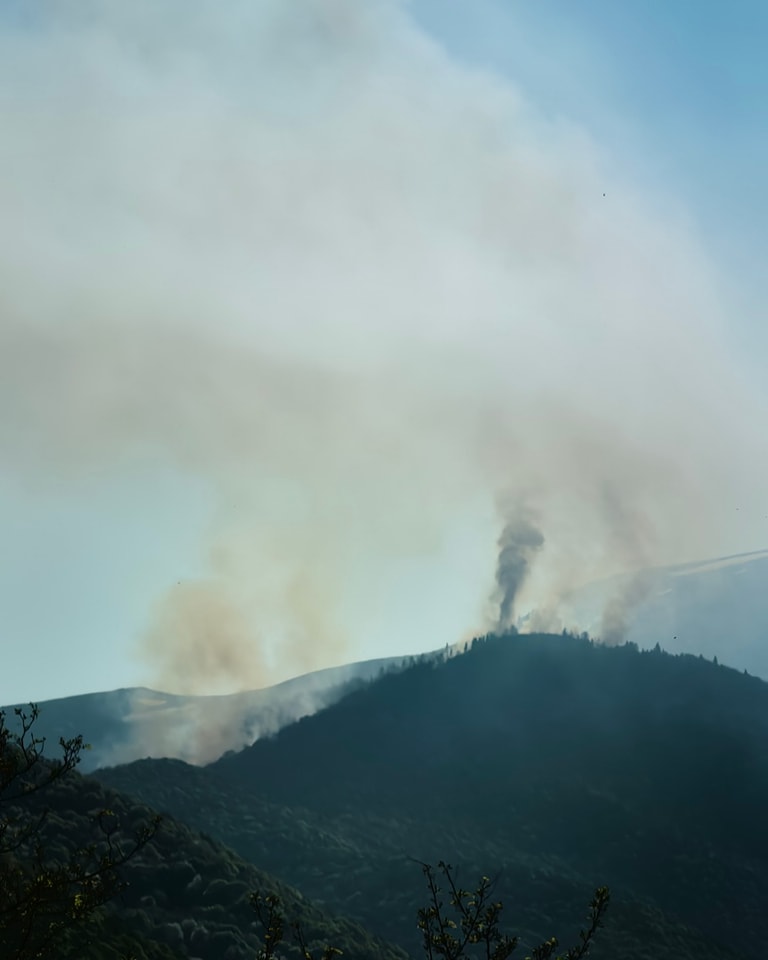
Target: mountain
x,y
716,608
552,761
124,725
185,895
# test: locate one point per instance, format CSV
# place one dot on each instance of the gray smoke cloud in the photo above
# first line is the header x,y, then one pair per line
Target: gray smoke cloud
x,y
360,290
633,542
200,729
518,544
615,621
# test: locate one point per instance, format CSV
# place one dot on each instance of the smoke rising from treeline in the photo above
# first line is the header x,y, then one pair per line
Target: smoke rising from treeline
x,y
363,291
518,544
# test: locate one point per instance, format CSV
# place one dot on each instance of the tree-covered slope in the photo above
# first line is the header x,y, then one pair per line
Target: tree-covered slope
x,y
560,763
185,895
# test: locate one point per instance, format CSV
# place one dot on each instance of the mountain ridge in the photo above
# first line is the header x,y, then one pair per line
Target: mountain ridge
x,y
134,722
716,607
555,761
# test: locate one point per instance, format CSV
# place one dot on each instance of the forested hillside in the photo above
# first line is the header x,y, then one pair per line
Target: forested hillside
x,y
557,763
175,894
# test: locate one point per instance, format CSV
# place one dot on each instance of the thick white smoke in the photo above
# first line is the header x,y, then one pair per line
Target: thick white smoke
x,y
365,292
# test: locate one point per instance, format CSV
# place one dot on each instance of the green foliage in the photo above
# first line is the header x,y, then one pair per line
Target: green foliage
x,y
47,889
478,931
71,846
478,924
269,911
476,936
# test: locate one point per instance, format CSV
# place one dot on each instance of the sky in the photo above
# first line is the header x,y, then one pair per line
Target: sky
x,y
304,307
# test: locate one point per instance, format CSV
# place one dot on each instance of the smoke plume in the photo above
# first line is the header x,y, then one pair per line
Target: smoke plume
x,y
359,290
519,542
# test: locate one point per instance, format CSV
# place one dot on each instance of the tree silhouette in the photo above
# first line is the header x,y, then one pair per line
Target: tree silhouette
x,y
44,891
467,928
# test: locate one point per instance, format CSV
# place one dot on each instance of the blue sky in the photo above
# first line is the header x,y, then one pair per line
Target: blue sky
x,y
108,500
679,92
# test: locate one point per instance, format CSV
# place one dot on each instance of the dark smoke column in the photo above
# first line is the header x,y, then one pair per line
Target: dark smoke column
x,y
520,540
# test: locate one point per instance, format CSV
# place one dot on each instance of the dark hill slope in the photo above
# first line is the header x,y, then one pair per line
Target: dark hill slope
x,y
648,770
186,895
539,720
362,866
561,763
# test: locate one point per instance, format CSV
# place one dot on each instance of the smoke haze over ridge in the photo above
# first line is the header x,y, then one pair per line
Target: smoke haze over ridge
x,y
365,293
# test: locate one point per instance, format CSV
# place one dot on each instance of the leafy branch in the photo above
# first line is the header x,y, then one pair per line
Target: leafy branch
x,y
43,895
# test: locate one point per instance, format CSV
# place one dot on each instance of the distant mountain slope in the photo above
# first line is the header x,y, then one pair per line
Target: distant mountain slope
x,y
715,608
186,895
558,762
123,725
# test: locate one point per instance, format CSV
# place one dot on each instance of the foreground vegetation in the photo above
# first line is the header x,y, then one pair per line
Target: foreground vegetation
x,y
69,849
550,763
87,873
